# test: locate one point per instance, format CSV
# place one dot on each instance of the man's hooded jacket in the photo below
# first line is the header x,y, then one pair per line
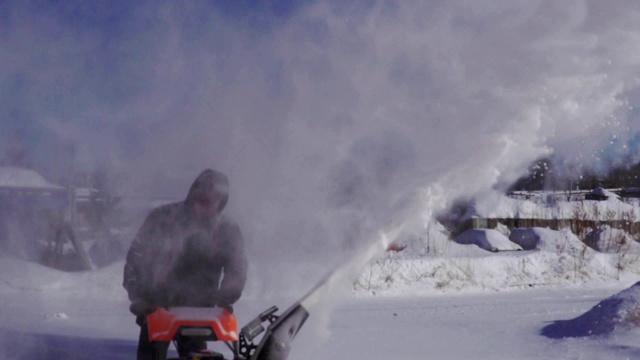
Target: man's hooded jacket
x,y
177,259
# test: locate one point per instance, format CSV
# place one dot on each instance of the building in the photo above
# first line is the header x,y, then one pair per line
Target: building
x,y
31,209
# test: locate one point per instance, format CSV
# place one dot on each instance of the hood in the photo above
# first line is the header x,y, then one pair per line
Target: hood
x,y
210,183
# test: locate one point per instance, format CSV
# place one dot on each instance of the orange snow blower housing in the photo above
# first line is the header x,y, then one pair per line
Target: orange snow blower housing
x,y
209,324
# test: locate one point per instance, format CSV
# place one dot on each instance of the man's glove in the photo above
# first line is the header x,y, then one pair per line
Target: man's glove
x,y
225,306
141,308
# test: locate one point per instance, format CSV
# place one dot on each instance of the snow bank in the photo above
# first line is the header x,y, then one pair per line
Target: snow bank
x,y
547,240
553,258
610,240
620,312
527,238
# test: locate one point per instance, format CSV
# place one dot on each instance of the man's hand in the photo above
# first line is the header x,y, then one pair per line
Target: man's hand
x,y
141,308
225,306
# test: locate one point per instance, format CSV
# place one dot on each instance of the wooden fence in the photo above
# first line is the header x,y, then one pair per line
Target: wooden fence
x,y
632,228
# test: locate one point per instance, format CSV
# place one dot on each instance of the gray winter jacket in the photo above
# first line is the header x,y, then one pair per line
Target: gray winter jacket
x,y
176,260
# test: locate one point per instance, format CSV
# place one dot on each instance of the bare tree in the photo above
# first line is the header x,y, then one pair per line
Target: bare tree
x,y
16,152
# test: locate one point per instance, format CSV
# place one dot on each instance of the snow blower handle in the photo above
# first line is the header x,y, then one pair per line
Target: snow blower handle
x,y
141,308
255,328
225,306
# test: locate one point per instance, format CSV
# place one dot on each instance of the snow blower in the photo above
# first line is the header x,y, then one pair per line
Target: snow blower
x,y
267,337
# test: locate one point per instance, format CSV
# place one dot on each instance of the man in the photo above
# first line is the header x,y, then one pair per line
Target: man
x,y
185,254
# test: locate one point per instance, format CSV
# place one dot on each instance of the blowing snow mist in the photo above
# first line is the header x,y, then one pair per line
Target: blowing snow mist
x,y
332,120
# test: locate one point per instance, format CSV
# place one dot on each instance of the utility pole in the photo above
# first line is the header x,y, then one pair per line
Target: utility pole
x,y
71,187
73,234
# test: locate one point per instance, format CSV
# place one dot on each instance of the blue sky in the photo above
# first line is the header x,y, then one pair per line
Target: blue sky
x,y
66,58
126,81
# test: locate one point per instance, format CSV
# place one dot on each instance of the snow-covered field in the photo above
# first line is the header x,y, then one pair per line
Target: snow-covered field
x,y
436,299
83,316
528,293
502,325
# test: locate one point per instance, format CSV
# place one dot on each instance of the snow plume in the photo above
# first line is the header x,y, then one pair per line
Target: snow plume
x,y
332,119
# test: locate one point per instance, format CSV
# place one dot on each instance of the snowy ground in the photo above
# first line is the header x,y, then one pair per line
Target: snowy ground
x,y
452,302
488,294
50,324
479,326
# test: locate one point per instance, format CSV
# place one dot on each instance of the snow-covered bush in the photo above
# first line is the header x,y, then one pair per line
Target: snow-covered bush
x,y
487,239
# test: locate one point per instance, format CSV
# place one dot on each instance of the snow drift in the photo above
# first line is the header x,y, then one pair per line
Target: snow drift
x,y
620,312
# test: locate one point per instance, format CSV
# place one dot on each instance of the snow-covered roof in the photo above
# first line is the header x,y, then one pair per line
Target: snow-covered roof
x,y
20,178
